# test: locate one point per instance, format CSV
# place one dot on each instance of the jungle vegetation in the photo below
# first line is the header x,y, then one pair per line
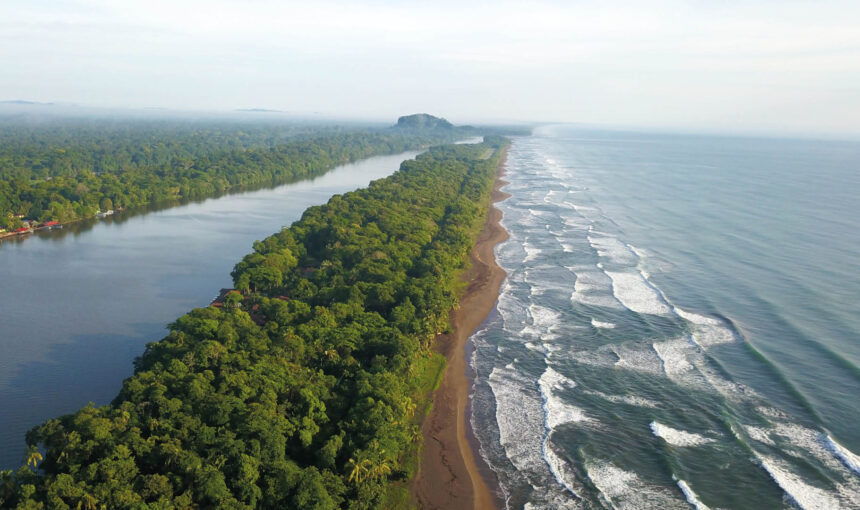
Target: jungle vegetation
x,y
65,171
301,389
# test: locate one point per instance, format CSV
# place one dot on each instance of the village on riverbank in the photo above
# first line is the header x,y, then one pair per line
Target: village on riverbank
x,y
30,226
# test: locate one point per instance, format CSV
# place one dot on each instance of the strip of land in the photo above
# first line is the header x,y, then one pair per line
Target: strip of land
x,y
449,477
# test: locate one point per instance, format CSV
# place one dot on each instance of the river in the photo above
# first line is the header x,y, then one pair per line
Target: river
x,y
78,304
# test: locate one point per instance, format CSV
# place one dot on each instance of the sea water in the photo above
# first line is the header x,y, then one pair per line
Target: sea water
x,y
680,324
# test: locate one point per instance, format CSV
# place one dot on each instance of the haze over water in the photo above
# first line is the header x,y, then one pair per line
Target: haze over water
x,y
679,326
79,304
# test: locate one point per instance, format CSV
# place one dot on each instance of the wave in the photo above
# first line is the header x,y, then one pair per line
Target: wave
x,y
637,358
634,292
800,442
613,250
560,470
807,497
850,459
543,319
519,416
631,400
557,411
532,252
707,331
604,325
593,288
625,490
677,437
691,496
673,355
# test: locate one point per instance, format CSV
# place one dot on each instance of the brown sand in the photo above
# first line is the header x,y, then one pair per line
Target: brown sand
x,y
449,477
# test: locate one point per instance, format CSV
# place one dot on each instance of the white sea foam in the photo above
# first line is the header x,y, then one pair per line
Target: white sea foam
x,y
638,357
677,437
691,496
554,194
805,441
636,294
772,412
603,357
558,411
532,252
552,380
576,222
632,400
673,354
583,208
593,288
638,251
543,318
759,434
625,490
605,325
613,250
807,497
708,331
560,470
534,347
519,415
850,459
512,310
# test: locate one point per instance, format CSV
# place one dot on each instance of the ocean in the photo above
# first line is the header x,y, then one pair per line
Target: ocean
x,y
680,324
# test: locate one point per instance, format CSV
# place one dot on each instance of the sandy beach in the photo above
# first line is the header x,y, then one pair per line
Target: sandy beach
x,y
450,477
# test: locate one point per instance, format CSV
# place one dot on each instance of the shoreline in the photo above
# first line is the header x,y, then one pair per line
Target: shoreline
x,y
452,475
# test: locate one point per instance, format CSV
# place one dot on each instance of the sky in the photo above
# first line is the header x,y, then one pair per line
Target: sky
x,y
755,65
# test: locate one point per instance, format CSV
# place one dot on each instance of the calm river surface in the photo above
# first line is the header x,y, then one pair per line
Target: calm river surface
x,y
78,304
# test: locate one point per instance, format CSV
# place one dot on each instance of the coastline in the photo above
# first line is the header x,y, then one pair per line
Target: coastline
x,y
450,476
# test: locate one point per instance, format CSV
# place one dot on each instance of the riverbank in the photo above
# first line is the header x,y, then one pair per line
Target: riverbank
x,y
450,477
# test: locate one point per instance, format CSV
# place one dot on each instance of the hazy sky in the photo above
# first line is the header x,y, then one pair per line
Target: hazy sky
x,y
779,65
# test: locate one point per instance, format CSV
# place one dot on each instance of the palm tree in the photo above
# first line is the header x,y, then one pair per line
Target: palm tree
x,y
87,502
381,469
409,407
33,457
358,470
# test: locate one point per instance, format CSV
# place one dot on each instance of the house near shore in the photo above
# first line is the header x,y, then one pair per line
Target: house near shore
x,y
218,302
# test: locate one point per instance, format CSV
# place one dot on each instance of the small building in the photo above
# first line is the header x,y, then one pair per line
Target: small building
x,y
218,302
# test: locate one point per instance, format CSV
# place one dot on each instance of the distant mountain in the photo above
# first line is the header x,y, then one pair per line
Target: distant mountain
x,y
423,121
21,101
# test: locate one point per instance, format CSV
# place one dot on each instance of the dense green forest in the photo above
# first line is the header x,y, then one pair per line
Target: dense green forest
x,y
64,171
301,389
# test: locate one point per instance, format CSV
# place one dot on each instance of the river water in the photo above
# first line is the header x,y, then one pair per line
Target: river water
x,y
78,304
680,326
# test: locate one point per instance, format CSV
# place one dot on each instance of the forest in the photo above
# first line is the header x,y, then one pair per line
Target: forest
x,y
304,387
65,171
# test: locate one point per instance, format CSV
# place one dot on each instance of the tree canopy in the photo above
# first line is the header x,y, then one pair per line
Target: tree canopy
x,y
299,394
71,170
